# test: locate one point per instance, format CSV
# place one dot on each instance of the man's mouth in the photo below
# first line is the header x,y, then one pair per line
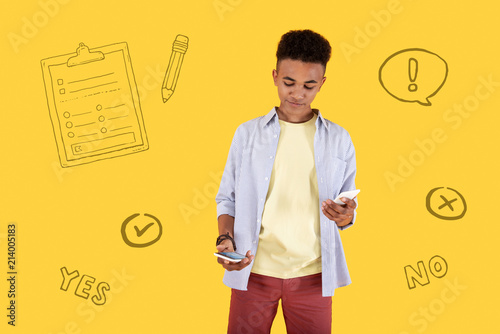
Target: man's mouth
x,y
296,104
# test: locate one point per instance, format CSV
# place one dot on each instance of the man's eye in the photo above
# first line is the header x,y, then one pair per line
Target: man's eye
x,y
288,84
307,87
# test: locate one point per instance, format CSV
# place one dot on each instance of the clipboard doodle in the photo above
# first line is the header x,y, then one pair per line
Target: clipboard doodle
x,y
93,104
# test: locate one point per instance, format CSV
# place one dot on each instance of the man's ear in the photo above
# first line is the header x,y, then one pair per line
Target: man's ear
x,y
275,77
321,84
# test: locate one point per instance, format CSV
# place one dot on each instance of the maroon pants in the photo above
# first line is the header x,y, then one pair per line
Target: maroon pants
x,y
304,308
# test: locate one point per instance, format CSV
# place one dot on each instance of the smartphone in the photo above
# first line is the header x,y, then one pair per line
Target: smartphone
x,y
347,194
230,256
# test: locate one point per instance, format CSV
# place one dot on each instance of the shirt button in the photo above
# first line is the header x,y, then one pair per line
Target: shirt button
x,y
270,157
266,178
254,242
258,220
275,136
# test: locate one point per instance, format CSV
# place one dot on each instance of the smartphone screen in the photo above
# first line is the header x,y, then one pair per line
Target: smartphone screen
x,y
233,255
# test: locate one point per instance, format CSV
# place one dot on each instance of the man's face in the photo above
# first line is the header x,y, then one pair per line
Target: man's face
x,y
298,83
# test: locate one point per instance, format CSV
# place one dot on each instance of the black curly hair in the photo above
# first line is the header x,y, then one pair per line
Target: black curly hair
x,y
304,45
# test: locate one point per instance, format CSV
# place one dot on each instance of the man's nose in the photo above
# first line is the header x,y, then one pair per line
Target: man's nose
x,y
297,93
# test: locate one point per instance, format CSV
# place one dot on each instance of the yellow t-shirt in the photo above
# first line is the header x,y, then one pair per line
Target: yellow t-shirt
x,y
289,239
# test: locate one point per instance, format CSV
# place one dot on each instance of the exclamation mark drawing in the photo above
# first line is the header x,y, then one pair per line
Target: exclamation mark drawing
x,y
412,73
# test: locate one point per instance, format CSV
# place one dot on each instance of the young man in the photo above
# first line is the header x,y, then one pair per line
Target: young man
x,y
276,201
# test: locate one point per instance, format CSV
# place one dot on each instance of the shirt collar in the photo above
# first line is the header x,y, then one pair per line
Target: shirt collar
x,y
272,114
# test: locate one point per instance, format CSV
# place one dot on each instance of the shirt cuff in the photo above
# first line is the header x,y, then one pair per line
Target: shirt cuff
x,y
225,208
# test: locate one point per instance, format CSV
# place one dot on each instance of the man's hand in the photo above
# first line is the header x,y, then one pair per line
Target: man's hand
x,y
227,246
341,214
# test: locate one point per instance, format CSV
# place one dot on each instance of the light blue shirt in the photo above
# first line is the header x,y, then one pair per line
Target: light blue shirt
x,y
245,182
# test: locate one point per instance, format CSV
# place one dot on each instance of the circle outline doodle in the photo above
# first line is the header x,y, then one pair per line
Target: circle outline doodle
x,y
435,214
133,244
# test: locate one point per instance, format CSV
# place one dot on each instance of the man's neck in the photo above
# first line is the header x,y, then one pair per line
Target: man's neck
x,y
294,118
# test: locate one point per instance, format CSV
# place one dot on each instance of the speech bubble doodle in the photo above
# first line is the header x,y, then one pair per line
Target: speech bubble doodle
x,y
446,203
143,233
413,75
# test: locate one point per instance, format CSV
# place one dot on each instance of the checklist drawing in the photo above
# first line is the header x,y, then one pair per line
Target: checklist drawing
x,y
93,104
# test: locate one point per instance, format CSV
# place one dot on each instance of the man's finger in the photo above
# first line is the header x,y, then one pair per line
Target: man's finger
x,y
340,215
349,202
236,265
328,212
222,248
348,208
225,246
230,266
333,208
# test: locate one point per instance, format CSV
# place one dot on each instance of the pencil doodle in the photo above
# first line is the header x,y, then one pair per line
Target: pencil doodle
x,y
179,48
94,105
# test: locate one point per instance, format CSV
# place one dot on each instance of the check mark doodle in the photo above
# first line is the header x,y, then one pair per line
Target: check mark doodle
x,y
143,230
144,240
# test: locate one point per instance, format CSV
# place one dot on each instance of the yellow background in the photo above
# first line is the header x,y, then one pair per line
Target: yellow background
x,y
72,217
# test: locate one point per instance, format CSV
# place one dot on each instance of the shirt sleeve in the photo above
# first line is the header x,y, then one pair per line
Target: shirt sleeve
x,y
225,197
349,177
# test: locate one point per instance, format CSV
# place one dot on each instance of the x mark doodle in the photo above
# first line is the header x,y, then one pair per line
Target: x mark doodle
x,y
456,203
446,203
